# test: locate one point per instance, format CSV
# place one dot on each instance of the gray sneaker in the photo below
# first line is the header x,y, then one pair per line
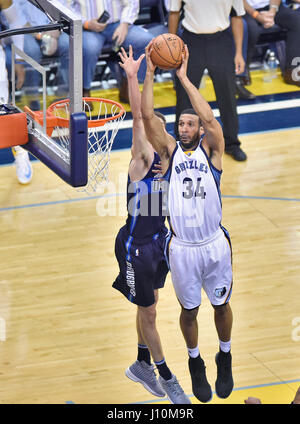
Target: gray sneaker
x,y
143,373
174,390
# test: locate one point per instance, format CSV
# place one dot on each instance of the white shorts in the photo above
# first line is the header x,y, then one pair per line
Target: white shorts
x,y
206,265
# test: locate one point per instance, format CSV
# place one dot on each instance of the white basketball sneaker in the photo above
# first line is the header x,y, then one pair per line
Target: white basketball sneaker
x,y
23,165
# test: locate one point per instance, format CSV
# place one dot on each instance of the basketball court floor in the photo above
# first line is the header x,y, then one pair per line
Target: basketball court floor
x,y
67,336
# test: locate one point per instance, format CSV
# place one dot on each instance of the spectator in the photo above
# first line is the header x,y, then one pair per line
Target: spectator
x,y
14,20
118,31
206,31
40,45
263,14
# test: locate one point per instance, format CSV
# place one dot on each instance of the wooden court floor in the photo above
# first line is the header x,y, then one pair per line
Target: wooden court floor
x,y
67,336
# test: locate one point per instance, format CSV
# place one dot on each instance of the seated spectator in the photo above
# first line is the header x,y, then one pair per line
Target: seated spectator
x,y
14,20
40,45
118,31
260,15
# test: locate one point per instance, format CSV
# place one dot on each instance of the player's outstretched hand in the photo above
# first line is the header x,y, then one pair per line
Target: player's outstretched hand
x,y
181,71
127,63
150,65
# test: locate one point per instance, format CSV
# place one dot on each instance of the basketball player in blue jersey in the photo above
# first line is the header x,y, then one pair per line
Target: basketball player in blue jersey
x,y
199,248
139,248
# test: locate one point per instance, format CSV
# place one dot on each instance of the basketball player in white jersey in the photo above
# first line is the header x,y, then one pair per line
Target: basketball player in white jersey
x,y
10,12
199,249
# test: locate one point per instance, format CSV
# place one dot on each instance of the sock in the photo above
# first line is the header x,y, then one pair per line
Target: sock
x,y
193,353
17,149
225,346
144,354
163,370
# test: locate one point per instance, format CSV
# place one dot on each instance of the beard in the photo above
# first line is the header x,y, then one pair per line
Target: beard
x,y
189,144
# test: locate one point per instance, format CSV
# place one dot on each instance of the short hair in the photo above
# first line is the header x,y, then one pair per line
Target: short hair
x,y
191,111
161,116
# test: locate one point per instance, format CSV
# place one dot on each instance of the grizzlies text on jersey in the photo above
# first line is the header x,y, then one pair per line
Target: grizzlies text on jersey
x,y
194,201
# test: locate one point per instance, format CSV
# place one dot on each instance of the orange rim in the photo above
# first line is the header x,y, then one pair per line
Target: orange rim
x,y
38,116
64,122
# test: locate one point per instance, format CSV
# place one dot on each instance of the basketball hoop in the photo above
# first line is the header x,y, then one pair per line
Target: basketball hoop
x,y
104,118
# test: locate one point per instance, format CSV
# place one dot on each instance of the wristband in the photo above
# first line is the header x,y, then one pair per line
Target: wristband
x,y
275,7
255,14
86,25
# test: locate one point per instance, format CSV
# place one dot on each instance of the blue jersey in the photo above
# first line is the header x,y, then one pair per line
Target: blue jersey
x,y
146,202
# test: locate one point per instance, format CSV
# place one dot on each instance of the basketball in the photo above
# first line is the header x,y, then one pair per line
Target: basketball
x,y
167,50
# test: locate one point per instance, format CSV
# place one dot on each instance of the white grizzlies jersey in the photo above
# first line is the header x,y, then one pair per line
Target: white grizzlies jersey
x,y
194,201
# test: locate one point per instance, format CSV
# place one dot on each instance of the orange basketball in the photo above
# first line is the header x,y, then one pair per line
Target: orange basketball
x,y
167,50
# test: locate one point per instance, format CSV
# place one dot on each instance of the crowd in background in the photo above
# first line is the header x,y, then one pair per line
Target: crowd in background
x,y
240,22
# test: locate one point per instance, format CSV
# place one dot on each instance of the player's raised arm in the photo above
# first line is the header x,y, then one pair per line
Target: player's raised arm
x,y
140,146
156,133
214,139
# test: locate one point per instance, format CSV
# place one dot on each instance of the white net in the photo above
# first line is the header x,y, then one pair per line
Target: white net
x,y
104,118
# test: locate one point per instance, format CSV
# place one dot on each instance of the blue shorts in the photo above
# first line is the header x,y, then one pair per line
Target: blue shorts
x,y
142,264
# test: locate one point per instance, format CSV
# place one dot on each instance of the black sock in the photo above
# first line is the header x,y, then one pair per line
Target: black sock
x,y
163,370
144,354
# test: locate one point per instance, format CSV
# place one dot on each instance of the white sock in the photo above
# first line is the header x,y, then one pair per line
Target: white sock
x,y
193,353
225,346
19,149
